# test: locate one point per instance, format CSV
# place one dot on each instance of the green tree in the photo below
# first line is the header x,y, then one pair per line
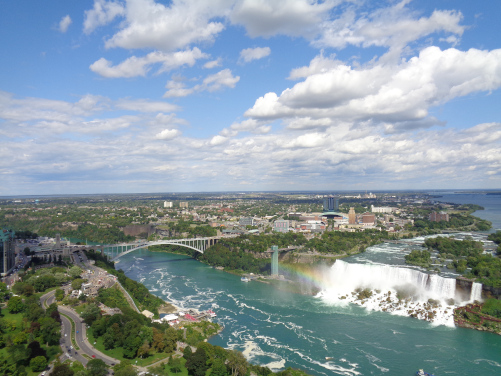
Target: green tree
x,y
59,295
130,346
175,364
492,307
15,304
18,354
75,272
4,292
38,363
127,371
76,284
197,364
187,353
144,350
62,370
124,368
96,367
76,367
170,340
91,313
218,368
237,363
23,288
50,330
33,312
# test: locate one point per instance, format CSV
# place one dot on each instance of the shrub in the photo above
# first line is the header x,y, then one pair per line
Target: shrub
x,y
38,363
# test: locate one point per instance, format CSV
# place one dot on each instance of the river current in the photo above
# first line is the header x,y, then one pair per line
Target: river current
x,y
281,329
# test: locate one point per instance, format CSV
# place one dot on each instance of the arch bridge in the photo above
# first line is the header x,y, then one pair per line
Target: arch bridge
x,y
116,251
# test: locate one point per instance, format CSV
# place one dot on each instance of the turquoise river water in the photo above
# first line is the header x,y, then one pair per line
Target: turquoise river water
x,y
280,329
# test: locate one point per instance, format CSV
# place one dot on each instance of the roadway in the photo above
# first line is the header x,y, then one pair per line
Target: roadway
x,y
86,350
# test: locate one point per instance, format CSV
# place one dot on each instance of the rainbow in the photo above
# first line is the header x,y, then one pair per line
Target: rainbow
x,y
306,275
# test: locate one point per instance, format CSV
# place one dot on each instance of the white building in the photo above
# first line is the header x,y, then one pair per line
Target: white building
x,y
381,209
167,204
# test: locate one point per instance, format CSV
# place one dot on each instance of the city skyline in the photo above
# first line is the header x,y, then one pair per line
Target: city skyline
x,y
145,96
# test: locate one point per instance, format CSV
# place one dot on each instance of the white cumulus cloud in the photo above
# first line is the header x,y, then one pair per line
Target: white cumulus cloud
x,y
217,140
394,27
139,66
211,83
167,134
256,53
396,93
262,18
101,14
64,24
150,24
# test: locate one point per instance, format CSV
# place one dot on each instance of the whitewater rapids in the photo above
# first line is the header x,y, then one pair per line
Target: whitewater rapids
x,y
400,291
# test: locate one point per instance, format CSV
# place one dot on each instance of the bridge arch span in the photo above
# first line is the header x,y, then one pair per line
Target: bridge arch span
x,y
197,244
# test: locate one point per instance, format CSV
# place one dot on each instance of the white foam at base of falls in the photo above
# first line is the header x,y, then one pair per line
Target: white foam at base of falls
x,y
424,296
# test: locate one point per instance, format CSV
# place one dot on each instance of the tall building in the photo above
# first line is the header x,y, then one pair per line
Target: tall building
x,y
7,251
183,204
437,217
246,221
167,204
352,217
331,204
368,218
281,225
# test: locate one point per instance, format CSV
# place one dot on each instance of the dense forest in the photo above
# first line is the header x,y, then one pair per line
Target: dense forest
x,y
29,335
456,221
419,258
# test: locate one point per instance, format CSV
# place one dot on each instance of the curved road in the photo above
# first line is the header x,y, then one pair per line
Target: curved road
x,y
80,337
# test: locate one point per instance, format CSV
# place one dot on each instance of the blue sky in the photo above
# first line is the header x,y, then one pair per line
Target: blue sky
x,y
215,95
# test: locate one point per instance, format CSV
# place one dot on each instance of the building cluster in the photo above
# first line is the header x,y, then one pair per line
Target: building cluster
x,y
95,282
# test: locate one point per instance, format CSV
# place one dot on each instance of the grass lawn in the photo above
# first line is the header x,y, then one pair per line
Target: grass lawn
x,y
117,353
183,372
80,308
16,318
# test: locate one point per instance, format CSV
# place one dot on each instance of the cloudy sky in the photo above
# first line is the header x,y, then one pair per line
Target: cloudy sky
x,y
244,95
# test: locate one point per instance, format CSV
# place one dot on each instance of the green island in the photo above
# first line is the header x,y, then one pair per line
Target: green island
x,y
467,257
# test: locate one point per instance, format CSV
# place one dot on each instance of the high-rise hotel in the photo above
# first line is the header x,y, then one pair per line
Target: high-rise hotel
x,y
7,251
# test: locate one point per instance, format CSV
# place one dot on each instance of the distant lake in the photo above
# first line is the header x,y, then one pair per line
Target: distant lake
x,y
491,203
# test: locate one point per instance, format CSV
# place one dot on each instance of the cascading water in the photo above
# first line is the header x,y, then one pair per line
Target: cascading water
x,y
401,291
476,292
346,277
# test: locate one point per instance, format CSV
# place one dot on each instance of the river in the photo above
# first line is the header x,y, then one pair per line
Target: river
x,y
280,329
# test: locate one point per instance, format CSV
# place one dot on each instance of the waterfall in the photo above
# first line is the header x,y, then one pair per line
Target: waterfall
x,y
345,278
476,292
399,291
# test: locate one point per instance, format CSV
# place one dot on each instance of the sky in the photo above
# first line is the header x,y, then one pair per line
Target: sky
x,y
142,96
